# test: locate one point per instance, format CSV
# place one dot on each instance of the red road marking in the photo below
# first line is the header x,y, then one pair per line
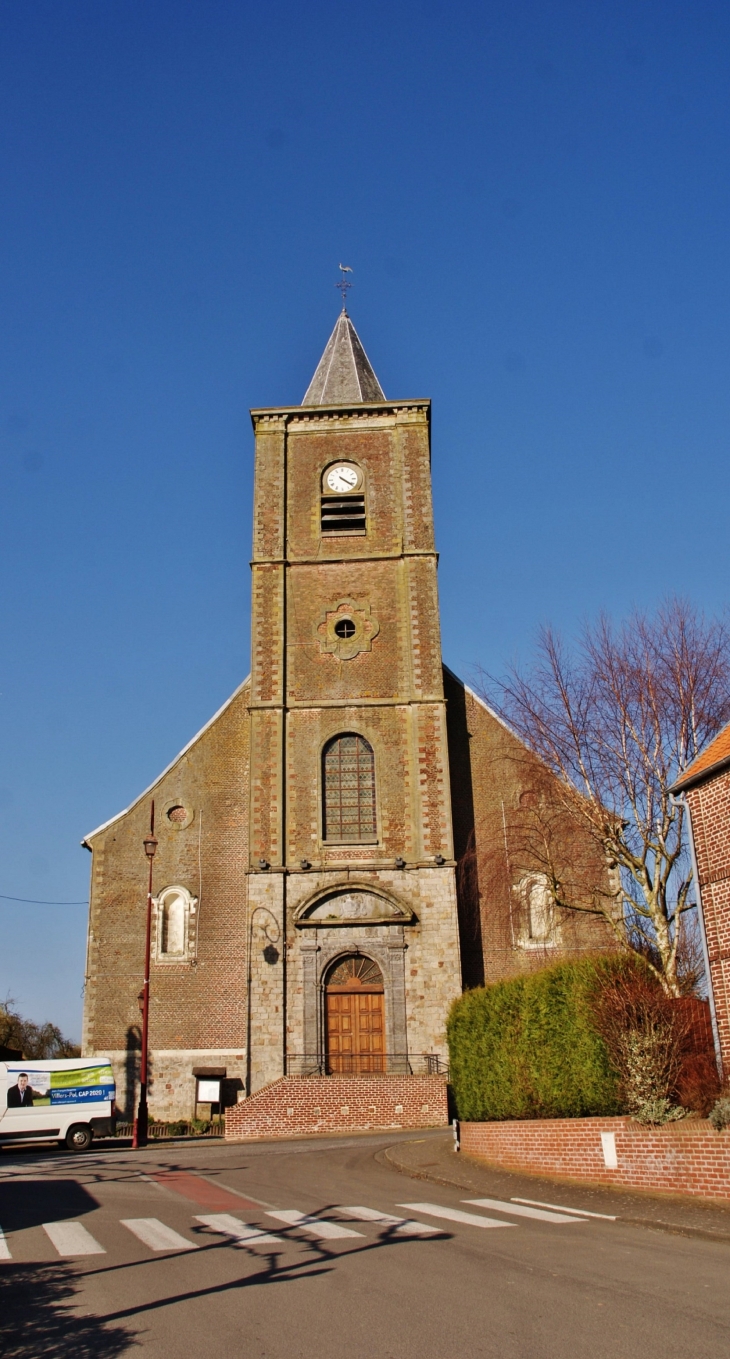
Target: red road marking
x,y
200,1191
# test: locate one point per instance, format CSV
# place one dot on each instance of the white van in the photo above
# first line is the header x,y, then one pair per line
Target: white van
x,y
68,1101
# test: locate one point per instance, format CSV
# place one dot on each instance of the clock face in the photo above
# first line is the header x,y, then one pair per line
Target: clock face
x,y
342,479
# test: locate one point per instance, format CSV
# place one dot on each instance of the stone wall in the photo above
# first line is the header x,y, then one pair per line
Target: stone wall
x,y
296,1106
680,1158
171,1083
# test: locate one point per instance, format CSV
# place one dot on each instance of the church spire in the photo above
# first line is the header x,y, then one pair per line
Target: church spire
x,y
344,373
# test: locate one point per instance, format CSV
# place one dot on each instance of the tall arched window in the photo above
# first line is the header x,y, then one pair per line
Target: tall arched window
x,y
349,789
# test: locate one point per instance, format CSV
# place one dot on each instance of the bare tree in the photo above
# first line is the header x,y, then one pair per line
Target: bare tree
x,y
617,720
34,1041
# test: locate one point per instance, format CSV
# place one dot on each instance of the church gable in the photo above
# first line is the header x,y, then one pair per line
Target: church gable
x,y
199,886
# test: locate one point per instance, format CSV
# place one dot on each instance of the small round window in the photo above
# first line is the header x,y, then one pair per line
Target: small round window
x,y
345,628
177,814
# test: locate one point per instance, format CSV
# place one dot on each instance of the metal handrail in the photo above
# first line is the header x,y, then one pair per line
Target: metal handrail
x,y
365,1064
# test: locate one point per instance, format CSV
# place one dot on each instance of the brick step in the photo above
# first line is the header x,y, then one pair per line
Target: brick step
x,y
296,1105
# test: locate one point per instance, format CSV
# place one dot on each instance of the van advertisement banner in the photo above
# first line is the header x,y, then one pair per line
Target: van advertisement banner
x,y
30,1086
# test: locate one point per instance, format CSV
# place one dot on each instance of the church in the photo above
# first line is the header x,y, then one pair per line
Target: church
x,y
342,848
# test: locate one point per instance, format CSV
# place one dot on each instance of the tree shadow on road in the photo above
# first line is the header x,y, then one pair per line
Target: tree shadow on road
x,y
38,1318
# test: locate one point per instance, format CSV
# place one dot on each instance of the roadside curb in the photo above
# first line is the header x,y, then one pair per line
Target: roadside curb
x,y
389,1156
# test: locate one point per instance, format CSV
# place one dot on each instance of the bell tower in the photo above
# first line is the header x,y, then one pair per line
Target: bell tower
x,y
352,925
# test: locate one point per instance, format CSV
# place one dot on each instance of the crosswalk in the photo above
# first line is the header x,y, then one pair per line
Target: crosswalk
x,y
71,1239
153,1233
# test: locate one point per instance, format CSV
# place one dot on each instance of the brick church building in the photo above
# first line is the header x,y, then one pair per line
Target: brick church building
x,y
340,849
704,788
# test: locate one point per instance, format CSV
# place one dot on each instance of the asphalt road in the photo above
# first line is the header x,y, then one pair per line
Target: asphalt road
x,y
115,1251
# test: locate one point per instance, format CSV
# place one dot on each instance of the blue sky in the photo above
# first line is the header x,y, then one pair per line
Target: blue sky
x,y
534,199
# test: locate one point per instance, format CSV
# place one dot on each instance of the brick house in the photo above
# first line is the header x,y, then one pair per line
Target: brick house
x,y
340,847
705,790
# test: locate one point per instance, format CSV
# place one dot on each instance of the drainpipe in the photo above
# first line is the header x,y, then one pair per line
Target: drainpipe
x,y
703,936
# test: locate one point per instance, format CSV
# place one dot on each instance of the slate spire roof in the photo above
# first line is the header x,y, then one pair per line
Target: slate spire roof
x,y
344,373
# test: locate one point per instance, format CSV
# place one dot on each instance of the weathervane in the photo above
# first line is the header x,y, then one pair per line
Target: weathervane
x,y
343,284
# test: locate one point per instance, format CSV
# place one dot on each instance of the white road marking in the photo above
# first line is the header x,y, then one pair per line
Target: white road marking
x,y
561,1208
239,1193
243,1234
518,1211
4,1247
72,1238
153,1233
455,1215
149,1180
313,1226
404,1226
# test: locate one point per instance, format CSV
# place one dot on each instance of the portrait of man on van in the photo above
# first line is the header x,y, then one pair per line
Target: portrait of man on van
x,y
20,1096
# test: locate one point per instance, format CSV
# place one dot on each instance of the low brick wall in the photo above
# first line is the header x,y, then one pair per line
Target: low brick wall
x,y
679,1158
320,1104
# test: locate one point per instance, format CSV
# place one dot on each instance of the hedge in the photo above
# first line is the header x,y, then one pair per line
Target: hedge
x,y
528,1048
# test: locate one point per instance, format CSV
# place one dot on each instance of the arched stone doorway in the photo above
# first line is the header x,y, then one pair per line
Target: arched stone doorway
x,y
354,1017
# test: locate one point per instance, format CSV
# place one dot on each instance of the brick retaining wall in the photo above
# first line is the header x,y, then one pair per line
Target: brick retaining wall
x,y
295,1105
680,1158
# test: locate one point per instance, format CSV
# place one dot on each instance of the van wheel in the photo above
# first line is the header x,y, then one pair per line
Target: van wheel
x,y
78,1138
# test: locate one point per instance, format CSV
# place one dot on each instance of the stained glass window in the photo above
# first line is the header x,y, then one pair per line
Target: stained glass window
x,y
349,789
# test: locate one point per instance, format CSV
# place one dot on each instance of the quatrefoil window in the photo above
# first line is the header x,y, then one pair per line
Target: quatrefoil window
x,y
347,628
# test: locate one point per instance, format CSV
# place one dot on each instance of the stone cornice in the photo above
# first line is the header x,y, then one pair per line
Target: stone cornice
x,y
345,561
314,417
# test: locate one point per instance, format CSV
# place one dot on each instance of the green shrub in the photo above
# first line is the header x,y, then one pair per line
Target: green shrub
x,y
529,1047
720,1114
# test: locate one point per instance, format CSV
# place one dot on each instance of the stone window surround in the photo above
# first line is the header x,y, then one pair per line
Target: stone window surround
x,y
191,905
551,937
168,805
360,489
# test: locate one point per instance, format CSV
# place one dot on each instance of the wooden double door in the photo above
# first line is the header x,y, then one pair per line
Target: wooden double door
x,y
355,1019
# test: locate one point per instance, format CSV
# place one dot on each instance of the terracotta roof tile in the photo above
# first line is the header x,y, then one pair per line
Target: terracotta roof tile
x,y
717,753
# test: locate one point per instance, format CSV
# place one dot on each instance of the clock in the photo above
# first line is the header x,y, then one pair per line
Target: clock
x,y
342,478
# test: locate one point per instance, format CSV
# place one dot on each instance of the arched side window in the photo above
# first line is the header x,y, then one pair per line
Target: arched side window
x,y
539,927
175,909
348,777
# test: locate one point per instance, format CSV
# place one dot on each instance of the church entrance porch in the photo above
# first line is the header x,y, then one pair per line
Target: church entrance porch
x,y
354,1018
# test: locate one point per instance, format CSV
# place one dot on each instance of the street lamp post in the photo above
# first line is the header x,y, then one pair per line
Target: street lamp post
x,y
139,1135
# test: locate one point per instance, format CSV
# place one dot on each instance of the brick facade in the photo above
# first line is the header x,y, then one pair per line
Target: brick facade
x,y
680,1158
498,790
295,1106
705,788
436,897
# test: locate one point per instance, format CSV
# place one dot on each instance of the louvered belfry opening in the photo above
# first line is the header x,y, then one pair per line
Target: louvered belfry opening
x,y
343,514
349,790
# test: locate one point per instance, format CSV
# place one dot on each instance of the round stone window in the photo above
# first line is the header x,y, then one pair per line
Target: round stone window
x,y
345,628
